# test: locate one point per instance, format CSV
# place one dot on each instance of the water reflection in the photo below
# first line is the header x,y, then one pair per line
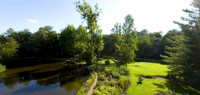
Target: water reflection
x,y
47,79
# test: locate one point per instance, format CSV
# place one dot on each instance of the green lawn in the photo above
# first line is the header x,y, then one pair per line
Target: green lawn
x,y
153,80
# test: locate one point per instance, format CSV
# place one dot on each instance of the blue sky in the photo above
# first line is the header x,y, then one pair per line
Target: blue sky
x,y
153,15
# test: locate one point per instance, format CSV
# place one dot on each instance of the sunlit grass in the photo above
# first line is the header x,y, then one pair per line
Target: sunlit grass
x,y
150,86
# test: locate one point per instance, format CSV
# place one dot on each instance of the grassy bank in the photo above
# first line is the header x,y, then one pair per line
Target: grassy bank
x,y
154,80
86,85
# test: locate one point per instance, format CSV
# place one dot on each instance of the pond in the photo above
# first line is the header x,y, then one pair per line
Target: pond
x,y
45,79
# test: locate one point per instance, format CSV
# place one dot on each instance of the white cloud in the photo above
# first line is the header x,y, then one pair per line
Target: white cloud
x,y
33,21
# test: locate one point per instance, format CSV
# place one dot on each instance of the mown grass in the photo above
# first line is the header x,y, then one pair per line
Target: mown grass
x,y
154,80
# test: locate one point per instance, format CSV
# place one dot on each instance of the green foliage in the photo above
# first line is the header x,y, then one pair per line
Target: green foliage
x,y
67,40
127,55
149,45
165,40
112,80
8,48
107,90
124,83
91,16
2,68
124,71
183,53
125,40
89,56
112,44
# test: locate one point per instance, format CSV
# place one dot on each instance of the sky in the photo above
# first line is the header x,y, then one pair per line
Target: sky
x,y
153,15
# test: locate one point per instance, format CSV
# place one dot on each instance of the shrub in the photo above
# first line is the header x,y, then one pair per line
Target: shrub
x,y
124,83
115,74
101,77
92,68
107,90
107,71
107,62
124,71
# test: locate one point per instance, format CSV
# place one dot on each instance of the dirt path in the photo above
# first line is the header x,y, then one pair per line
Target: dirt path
x,y
93,85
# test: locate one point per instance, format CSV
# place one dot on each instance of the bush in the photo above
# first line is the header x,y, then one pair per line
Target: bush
x,y
101,77
115,74
107,90
92,68
107,62
124,83
124,71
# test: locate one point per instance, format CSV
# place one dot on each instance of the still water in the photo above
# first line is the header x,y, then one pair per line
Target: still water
x,y
46,79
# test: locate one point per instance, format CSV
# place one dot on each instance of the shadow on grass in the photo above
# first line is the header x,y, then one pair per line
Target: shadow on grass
x,y
159,85
177,88
138,83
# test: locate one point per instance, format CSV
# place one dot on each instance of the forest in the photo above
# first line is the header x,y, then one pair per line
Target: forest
x,y
120,59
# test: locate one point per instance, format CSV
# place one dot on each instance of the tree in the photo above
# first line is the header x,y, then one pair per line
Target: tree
x,y
117,29
165,39
112,43
149,45
8,48
24,39
73,41
145,47
91,16
126,44
67,40
184,52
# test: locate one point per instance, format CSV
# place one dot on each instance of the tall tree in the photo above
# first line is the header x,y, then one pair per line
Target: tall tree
x,y
184,53
126,44
67,40
91,16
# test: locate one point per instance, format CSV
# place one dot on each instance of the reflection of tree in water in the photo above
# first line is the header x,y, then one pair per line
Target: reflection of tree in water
x,y
71,85
10,82
45,75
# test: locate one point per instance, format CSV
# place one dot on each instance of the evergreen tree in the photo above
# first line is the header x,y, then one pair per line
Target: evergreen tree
x,y
184,52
